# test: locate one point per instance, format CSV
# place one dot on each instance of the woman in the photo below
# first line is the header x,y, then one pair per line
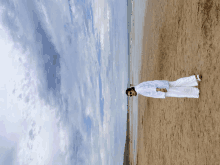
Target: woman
x,y
183,87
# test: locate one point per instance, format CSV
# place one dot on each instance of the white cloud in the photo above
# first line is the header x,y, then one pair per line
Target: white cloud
x,y
25,115
89,109
101,21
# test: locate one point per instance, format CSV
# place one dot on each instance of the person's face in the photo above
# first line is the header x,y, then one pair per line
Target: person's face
x,y
132,93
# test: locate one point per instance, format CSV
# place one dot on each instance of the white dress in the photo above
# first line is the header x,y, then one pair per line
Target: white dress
x,y
148,88
182,87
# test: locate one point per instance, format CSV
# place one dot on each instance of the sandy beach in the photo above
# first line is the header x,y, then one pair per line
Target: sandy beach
x,y
181,38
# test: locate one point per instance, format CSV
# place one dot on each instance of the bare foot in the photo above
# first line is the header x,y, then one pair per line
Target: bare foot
x,y
198,77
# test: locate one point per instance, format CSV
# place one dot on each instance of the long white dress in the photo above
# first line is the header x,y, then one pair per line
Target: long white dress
x,y
182,87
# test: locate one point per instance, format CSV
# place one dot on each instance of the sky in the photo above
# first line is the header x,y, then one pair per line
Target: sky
x,y
63,75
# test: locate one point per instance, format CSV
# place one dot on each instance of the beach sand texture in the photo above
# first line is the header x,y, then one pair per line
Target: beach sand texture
x,y
181,38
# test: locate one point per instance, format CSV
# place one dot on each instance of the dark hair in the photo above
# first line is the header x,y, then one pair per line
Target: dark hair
x,y
129,89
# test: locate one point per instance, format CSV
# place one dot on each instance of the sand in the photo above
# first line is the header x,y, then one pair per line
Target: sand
x,y
181,38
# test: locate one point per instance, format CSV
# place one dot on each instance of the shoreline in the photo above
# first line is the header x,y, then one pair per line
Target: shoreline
x,y
127,146
136,36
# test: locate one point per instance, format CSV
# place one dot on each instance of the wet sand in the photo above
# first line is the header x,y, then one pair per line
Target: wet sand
x,y
127,148
181,38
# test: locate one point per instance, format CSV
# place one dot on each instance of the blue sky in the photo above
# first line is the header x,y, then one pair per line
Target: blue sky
x,y
64,76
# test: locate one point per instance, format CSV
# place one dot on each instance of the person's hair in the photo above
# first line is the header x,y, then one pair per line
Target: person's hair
x,y
129,89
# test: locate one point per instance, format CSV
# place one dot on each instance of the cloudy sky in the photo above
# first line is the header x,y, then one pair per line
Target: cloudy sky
x,y
63,74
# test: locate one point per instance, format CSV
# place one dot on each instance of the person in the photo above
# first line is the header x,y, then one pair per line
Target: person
x,y
183,87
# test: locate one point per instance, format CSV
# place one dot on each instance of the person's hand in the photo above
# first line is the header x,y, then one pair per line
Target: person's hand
x,y
164,90
161,89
